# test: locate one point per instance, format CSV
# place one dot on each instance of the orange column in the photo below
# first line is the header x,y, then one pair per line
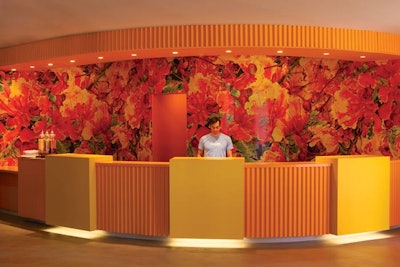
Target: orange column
x,y
169,126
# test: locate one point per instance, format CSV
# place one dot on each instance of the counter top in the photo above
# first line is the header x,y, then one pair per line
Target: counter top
x,y
10,169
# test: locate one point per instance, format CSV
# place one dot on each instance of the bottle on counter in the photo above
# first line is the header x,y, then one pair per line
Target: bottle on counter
x,y
52,140
41,146
46,143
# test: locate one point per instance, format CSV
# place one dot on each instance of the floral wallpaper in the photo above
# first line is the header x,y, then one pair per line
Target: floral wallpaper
x,y
274,108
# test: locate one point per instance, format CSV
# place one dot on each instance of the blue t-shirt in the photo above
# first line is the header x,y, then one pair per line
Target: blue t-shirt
x,y
215,146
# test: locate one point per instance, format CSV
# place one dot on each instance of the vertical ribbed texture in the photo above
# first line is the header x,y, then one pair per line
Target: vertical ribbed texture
x,y
133,198
200,37
286,200
395,193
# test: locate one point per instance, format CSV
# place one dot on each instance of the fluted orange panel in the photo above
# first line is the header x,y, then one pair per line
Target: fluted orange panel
x,y
286,199
395,193
133,198
194,40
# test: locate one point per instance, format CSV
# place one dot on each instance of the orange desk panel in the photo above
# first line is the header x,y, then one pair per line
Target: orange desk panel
x,y
133,197
9,188
31,188
286,199
395,193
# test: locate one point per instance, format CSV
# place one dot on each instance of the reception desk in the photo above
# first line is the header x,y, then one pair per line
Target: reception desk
x,y
214,198
200,198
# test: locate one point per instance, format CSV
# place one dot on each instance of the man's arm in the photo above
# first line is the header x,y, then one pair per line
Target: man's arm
x,y
229,148
200,152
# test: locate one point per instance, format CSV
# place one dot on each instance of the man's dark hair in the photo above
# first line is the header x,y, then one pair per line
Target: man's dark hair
x,y
212,120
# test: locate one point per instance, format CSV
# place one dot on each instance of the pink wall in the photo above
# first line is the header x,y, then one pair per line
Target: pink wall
x,y
169,126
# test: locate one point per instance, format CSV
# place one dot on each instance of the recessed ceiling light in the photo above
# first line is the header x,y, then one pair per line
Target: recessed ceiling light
x,y
72,61
100,57
228,51
175,52
326,53
134,55
279,51
13,69
32,67
362,56
50,64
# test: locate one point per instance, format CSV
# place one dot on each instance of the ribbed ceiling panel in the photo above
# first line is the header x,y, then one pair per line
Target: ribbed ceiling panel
x,y
199,37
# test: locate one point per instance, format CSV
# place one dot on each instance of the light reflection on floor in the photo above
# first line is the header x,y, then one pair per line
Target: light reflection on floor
x,y
222,243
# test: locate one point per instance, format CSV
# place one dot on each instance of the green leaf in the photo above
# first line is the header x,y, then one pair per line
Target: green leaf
x,y
172,89
246,150
63,146
235,93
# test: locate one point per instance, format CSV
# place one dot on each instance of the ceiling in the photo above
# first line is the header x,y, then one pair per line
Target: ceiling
x,y
35,20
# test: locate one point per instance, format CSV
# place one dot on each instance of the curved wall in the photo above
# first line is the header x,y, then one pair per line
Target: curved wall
x,y
294,107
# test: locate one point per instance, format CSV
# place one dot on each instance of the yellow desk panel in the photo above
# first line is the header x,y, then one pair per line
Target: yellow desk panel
x,y
71,190
207,198
360,193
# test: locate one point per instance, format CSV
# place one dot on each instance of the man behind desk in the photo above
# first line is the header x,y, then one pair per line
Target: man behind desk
x,y
215,144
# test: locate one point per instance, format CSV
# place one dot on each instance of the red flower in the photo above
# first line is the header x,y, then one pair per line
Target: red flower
x,y
27,135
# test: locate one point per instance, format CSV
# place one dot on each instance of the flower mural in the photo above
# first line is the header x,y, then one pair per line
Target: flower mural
x,y
274,108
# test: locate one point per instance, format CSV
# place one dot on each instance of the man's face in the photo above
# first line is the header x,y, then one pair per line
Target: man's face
x,y
215,128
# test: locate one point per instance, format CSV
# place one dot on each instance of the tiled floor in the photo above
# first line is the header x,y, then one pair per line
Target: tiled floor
x,y
24,243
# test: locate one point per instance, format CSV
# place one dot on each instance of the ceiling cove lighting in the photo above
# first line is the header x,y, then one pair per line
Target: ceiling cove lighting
x,y
352,42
